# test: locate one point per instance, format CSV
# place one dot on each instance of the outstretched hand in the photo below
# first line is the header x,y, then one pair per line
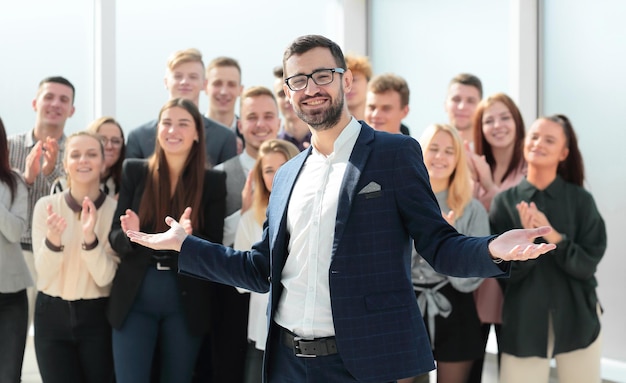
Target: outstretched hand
x,y
171,239
518,245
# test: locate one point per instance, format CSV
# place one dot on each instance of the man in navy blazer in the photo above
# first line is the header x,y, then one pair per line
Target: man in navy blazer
x,y
335,253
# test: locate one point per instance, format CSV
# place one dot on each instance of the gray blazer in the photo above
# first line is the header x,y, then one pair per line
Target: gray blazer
x,y
220,141
14,274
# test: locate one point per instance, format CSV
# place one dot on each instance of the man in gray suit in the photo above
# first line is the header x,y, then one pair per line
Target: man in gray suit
x,y
184,78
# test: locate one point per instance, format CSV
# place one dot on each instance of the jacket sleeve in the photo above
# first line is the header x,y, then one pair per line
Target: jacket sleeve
x,y
584,244
13,222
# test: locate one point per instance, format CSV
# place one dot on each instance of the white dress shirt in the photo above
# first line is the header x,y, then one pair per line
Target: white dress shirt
x,y
304,307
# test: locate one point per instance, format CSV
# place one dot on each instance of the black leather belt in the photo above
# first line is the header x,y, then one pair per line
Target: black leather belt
x,y
308,348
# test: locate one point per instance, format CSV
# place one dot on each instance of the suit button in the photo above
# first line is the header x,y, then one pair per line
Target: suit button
x,y
269,279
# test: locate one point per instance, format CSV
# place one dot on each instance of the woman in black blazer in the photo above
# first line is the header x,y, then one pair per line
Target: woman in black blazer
x,y
149,300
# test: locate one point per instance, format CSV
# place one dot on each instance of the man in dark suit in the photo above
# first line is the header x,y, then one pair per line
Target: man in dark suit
x,y
184,78
335,253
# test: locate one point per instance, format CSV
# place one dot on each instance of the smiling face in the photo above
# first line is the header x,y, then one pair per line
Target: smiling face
x,y
384,111
83,162
113,142
440,157
545,144
223,88
498,126
320,106
53,104
259,121
460,105
176,131
186,80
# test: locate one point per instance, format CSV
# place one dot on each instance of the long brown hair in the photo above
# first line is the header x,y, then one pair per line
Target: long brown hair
x,y
115,171
571,168
261,195
482,147
7,175
459,184
156,202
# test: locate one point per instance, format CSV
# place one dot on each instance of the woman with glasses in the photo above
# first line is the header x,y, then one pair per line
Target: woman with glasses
x,y
551,309
112,136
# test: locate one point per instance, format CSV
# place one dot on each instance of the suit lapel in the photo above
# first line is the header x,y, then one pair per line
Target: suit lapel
x,y
354,169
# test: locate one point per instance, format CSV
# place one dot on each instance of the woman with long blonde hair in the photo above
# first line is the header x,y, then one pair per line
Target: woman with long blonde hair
x,y
272,155
447,302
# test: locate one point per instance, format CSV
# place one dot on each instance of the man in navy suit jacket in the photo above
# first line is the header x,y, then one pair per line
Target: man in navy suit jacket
x,y
335,253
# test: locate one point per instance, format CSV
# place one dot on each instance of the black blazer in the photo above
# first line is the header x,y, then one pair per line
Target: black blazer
x,y
196,295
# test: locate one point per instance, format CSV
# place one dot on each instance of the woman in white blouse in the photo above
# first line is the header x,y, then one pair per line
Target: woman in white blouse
x,y
75,266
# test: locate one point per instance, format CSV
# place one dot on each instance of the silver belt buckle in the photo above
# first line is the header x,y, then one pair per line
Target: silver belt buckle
x,y
161,268
296,348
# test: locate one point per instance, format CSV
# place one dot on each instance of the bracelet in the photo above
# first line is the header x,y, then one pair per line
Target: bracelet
x,y
90,246
495,260
52,246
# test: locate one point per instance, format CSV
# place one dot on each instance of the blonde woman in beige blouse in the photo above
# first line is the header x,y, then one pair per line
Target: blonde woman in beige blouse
x,y
76,265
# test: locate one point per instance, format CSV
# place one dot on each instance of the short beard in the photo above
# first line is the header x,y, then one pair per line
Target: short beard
x,y
325,119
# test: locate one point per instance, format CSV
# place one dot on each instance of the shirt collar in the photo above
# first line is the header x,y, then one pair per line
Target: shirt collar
x,y
346,139
76,207
553,190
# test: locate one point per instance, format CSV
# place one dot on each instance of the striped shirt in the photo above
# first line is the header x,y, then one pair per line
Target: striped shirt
x,y
20,146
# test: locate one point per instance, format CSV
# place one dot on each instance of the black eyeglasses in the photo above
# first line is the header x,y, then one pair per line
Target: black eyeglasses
x,y
319,77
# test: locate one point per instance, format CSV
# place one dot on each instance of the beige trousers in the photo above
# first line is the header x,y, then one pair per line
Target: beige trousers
x,y
578,366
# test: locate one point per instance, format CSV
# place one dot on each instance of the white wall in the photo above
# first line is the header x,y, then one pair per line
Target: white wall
x,y
253,32
429,42
40,38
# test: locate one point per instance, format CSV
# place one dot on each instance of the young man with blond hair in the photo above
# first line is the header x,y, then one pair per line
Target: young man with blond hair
x,y
184,78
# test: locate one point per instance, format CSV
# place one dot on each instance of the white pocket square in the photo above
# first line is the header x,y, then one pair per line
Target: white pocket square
x,y
371,187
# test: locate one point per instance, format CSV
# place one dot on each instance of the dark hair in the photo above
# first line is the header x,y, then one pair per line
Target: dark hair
x,y
482,147
571,168
7,175
305,43
468,79
156,202
59,80
116,169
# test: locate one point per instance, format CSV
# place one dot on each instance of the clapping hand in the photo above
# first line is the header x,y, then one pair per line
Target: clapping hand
x,y
56,226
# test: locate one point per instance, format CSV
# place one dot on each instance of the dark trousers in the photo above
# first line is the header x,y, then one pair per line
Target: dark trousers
x,y
157,313
13,332
285,367
73,340
254,364
228,338
476,374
